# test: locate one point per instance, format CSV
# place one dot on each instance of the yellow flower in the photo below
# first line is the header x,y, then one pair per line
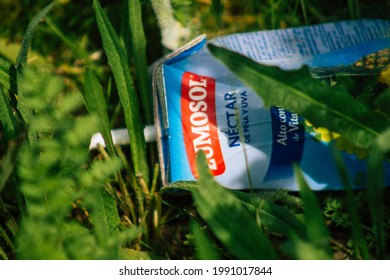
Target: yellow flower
x,y
325,134
384,76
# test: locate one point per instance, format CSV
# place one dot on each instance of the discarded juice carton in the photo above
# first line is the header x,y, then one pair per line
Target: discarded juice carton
x,y
201,105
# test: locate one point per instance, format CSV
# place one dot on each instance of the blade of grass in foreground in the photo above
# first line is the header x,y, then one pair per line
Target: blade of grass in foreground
x,y
3,255
280,220
138,42
229,219
97,104
317,232
7,74
204,247
276,218
21,60
375,192
105,218
325,106
7,242
7,163
7,119
21,63
359,243
117,59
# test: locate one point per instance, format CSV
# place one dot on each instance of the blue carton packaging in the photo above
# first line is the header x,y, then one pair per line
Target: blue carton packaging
x,y
201,105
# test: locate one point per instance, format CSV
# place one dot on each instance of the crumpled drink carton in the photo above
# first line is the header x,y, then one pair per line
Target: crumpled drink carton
x,y
201,105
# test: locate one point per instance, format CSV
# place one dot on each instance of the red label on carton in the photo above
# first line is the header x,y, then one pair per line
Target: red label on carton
x,y
200,122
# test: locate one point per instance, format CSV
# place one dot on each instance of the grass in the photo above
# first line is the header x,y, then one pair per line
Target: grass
x,y
68,70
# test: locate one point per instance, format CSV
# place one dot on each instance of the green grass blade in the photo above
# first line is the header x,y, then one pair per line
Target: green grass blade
x,y
303,6
273,25
7,119
216,10
7,165
297,91
4,235
3,255
105,215
204,248
317,232
229,219
117,59
359,243
353,9
70,42
138,42
277,219
375,192
124,31
96,104
280,220
304,250
382,101
21,59
21,63
7,74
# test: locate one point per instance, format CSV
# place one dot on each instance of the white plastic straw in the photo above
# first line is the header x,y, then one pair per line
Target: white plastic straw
x,y
121,137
